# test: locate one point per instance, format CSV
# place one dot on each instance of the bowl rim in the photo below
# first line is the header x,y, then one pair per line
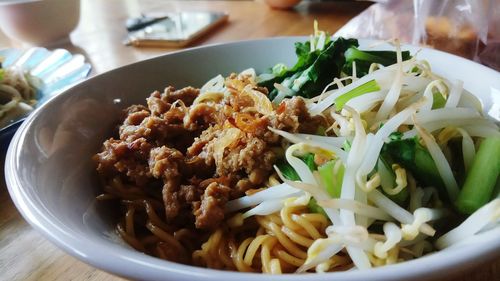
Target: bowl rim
x,y
126,261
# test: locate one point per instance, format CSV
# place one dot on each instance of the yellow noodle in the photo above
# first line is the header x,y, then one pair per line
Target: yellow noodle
x,y
187,238
374,260
161,252
275,218
339,260
307,226
129,221
166,237
153,217
240,264
283,255
285,242
198,258
118,185
392,255
212,243
275,266
225,256
106,196
265,254
132,241
261,231
316,218
150,239
286,217
276,243
181,234
209,251
252,249
297,238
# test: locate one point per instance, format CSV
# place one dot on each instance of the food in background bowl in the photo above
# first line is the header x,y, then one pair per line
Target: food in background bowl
x,y
30,77
53,182
17,94
349,159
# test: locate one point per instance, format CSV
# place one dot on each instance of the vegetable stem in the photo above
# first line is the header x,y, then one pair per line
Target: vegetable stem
x,y
368,87
481,178
332,180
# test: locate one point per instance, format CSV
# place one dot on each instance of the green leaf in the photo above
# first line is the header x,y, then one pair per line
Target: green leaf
x,y
331,181
321,131
288,171
388,179
313,70
2,71
364,59
395,136
346,145
315,207
438,100
410,154
309,160
279,69
302,49
327,66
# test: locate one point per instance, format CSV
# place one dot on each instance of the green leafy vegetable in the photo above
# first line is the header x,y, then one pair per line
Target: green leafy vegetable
x,y
410,154
313,70
439,100
316,67
388,179
2,71
279,69
321,72
364,59
346,145
332,181
309,160
321,131
288,171
304,58
315,207
290,174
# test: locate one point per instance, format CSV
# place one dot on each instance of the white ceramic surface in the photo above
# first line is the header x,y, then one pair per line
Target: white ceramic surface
x,y
51,177
41,23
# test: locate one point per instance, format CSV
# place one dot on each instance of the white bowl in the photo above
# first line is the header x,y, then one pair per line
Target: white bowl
x,y
53,183
43,23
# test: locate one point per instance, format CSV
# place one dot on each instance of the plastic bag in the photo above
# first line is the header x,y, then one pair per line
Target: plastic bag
x,y
469,28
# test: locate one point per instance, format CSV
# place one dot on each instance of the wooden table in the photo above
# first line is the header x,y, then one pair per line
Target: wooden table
x,y
24,253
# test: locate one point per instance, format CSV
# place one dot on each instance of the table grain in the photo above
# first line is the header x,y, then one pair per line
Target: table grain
x,y
24,253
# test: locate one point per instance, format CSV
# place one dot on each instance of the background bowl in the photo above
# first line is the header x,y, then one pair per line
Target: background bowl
x,y
52,181
39,22
54,70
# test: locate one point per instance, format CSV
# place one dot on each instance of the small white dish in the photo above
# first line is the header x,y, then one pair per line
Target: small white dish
x,y
39,23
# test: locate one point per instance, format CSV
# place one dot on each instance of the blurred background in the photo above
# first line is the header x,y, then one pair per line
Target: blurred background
x,y
469,28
